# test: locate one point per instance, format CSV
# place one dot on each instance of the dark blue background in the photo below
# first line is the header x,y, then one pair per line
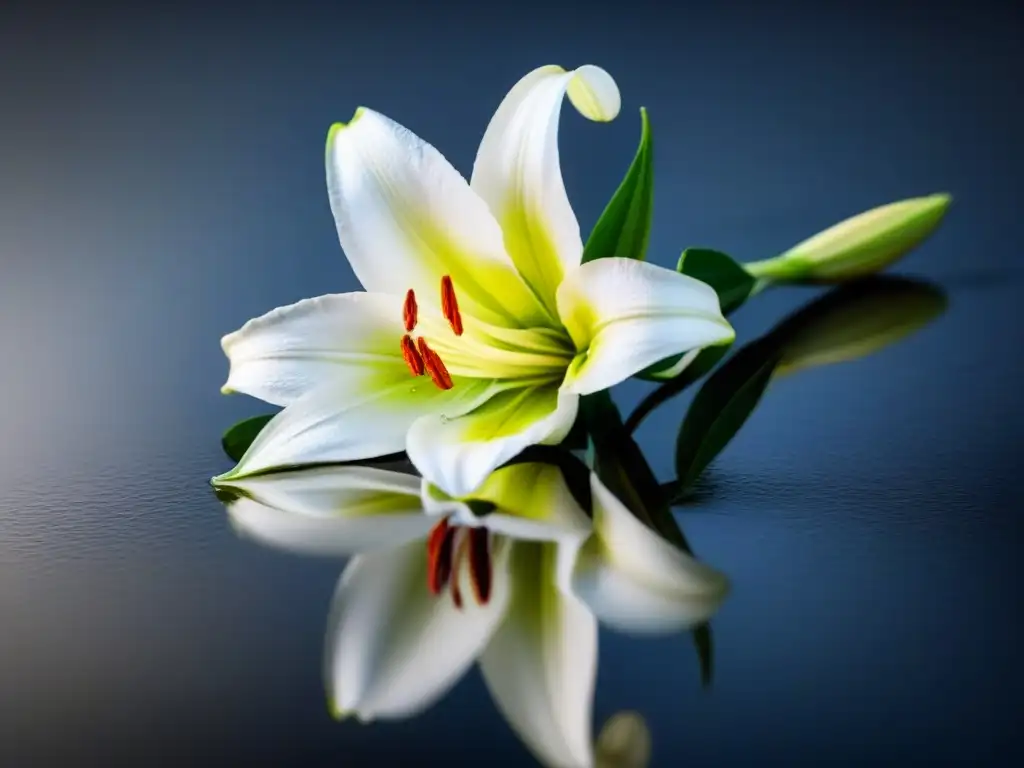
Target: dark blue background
x,y
161,181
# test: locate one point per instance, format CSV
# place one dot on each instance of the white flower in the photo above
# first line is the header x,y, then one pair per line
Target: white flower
x,y
480,328
435,587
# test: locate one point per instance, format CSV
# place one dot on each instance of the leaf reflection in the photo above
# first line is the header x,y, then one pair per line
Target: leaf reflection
x,y
433,588
846,324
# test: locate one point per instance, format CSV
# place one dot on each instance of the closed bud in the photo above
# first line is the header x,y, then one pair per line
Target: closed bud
x,y
859,246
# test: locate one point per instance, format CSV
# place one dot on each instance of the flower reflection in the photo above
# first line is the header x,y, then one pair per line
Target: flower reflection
x,y
423,599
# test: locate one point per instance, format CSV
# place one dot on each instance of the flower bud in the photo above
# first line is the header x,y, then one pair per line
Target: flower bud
x,y
859,246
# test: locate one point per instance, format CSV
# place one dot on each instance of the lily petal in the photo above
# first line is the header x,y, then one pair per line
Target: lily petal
x,y
393,648
456,452
625,315
681,365
361,413
290,350
533,502
541,664
405,218
517,170
336,511
635,581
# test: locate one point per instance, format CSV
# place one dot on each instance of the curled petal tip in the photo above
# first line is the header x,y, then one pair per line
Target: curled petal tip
x,y
332,134
337,713
338,127
223,479
594,93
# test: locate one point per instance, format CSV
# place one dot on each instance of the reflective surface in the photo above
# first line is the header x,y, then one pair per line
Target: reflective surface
x,y
167,185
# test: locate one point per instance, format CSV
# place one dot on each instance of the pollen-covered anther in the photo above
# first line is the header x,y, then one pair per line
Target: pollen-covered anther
x,y
412,357
480,564
433,365
450,305
449,548
439,556
410,311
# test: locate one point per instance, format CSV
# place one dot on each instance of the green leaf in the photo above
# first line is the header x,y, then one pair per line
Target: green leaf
x,y
705,652
731,281
704,362
576,440
237,439
722,406
619,463
847,323
625,225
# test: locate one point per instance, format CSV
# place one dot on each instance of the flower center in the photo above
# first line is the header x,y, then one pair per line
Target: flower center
x,y
418,355
448,546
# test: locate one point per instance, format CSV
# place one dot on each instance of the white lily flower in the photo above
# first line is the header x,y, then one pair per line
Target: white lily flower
x,y
480,328
438,587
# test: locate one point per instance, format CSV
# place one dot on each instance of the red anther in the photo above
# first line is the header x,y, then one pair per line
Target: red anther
x,y
412,357
439,556
450,305
409,310
433,365
480,564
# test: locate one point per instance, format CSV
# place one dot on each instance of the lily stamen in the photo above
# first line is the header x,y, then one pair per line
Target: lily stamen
x,y
411,356
439,556
448,547
450,305
409,311
480,564
418,356
434,366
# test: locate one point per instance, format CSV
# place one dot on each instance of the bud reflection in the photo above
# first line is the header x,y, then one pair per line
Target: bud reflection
x,y
624,742
857,320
